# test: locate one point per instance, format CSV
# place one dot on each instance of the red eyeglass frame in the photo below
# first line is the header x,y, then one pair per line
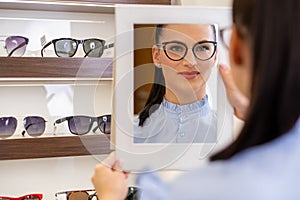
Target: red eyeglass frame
x,y
24,197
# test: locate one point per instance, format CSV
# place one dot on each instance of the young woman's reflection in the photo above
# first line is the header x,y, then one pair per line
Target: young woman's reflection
x,y
177,108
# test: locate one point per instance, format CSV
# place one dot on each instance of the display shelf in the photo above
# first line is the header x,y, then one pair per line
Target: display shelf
x,y
58,146
91,6
33,67
38,70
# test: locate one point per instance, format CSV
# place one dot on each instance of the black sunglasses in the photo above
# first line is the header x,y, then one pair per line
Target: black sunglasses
x,y
80,124
34,126
67,47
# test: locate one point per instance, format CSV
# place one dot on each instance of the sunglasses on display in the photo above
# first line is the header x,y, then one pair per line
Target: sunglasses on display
x,y
80,124
67,47
25,197
34,126
78,195
92,195
16,45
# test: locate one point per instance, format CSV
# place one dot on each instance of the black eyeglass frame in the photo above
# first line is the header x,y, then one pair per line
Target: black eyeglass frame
x,y
99,121
77,44
164,44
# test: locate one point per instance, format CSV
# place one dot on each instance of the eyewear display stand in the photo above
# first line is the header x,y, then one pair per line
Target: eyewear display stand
x,y
37,70
32,70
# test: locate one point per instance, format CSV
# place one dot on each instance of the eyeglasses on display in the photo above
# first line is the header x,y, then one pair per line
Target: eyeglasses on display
x,y
132,193
16,45
80,124
67,47
78,195
92,195
176,50
25,197
225,35
34,126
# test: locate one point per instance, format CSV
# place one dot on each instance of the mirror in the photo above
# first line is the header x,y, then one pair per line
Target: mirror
x,y
175,83
137,58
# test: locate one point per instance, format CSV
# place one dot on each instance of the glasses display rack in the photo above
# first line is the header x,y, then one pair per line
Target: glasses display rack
x,y
32,70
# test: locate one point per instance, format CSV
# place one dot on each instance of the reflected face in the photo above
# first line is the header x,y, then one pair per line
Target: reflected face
x,y
186,57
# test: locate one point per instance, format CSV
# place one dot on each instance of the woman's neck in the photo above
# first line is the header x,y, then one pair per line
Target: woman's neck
x,y
184,98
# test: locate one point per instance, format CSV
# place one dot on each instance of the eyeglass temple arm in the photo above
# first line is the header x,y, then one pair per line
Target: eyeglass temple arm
x,y
44,47
58,121
18,47
95,129
109,46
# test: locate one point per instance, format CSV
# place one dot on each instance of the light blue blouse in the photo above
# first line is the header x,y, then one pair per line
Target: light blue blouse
x,y
173,123
267,172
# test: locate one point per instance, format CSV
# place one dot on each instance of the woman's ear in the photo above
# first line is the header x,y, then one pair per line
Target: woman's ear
x,y
236,49
156,55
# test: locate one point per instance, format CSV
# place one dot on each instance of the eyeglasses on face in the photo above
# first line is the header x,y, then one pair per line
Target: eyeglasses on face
x,y
78,195
80,124
34,126
25,197
67,47
225,35
176,50
16,45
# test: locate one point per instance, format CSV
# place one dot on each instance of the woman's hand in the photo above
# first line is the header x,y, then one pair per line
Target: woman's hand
x,y
238,101
109,180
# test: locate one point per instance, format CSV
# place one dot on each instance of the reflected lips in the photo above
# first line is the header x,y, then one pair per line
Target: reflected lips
x,y
189,75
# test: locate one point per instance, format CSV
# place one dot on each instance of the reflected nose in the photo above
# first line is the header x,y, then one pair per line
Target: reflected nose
x,y
190,59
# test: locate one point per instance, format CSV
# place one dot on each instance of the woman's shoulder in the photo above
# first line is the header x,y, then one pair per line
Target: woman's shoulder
x,y
273,166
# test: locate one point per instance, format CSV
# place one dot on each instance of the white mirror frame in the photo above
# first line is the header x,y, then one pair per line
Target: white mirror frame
x,y
141,157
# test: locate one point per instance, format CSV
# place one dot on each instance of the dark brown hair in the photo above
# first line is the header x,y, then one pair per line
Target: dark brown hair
x,y
274,105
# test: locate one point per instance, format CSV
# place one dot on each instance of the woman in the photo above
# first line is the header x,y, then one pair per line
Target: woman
x,y
263,162
177,108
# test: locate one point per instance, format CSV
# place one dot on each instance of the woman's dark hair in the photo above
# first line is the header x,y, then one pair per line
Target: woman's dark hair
x,y
274,105
158,89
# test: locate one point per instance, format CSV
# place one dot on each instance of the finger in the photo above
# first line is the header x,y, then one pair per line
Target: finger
x,y
117,167
227,77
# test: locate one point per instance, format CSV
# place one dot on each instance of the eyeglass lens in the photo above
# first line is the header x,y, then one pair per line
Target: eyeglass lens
x,y
178,50
8,126
16,45
34,126
104,123
68,47
81,195
80,124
